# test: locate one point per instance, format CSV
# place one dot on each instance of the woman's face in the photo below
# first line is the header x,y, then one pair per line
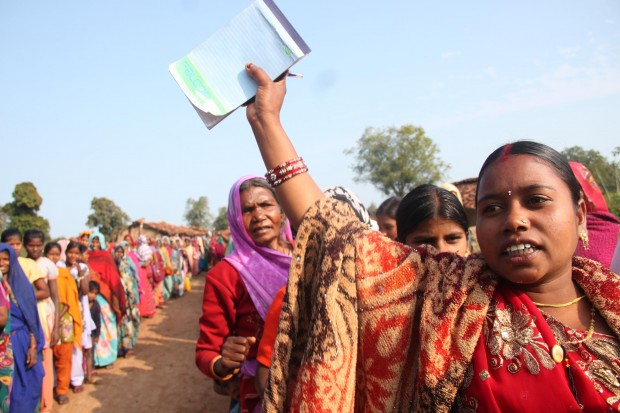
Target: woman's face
x,y
73,255
527,222
95,244
5,262
443,234
262,217
119,253
387,226
15,241
84,239
34,248
53,254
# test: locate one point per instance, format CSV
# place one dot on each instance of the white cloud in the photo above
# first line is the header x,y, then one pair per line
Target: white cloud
x,y
490,71
565,84
570,51
451,54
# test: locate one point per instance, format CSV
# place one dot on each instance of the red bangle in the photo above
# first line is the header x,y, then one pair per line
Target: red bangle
x,y
286,171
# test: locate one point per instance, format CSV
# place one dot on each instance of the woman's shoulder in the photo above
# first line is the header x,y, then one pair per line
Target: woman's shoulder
x,y
222,272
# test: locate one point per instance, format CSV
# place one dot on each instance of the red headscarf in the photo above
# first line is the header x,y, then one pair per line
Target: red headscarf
x,y
595,201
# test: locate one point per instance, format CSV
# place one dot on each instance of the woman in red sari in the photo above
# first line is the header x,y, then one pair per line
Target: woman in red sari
x,y
369,324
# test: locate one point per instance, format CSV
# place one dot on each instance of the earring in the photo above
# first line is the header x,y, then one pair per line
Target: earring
x,y
585,240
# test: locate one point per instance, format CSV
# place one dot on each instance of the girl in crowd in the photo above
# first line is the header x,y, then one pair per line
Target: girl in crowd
x,y
70,323
80,273
433,216
368,323
33,243
112,299
26,337
130,326
386,217
241,287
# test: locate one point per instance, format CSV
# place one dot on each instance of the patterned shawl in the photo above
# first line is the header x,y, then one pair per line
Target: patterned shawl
x,y
368,324
263,270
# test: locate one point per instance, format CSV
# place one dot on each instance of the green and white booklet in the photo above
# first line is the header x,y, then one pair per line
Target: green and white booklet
x,y
213,75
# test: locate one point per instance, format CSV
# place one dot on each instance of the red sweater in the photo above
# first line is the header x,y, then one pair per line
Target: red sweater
x,y
227,309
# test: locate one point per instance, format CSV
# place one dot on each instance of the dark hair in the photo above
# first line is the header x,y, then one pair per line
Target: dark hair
x,y
83,248
261,183
541,151
9,233
32,234
73,244
94,286
425,202
119,247
389,207
50,245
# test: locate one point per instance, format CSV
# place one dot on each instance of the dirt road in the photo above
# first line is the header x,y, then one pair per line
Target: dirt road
x,y
161,376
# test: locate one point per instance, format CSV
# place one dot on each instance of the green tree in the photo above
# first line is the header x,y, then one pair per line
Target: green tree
x,y
221,221
107,217
4,219
197,212
396,160
22,212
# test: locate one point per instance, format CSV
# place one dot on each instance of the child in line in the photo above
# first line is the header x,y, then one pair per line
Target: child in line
x,y
95,313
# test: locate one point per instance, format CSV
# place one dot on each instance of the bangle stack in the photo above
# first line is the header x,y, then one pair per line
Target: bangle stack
x,y
286,171
218,377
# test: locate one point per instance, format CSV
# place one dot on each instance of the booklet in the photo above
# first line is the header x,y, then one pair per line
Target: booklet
x,y
213,75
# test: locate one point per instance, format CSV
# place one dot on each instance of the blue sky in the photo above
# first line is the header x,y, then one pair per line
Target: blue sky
x,y
88,107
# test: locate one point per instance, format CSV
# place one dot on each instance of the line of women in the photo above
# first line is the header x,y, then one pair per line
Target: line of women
x,y
70,307
371,324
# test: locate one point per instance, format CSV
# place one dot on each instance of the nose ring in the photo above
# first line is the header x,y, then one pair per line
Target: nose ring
x,y
524,221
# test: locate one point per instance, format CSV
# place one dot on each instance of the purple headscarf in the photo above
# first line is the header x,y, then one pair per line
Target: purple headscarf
x,y
263,270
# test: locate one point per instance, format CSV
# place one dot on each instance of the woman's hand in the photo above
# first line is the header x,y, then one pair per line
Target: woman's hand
x,y
234,352
269,98
31,357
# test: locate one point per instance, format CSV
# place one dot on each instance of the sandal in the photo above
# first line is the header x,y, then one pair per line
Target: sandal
x,y
78,389
62,399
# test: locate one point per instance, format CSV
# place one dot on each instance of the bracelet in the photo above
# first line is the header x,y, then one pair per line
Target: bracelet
x,y
225,378
286,171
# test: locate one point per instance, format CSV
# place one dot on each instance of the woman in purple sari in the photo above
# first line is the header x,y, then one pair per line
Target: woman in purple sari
x,y
240,288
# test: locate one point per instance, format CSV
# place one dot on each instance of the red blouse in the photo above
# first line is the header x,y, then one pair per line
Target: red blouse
x,y
227,309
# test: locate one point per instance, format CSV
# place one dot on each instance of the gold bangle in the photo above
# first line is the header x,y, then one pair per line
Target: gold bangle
x,y
217,376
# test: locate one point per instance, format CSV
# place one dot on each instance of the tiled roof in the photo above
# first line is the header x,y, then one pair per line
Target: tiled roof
x,y
169,229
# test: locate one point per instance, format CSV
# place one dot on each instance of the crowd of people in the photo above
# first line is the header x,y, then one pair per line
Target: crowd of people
x,y
72,306
405,314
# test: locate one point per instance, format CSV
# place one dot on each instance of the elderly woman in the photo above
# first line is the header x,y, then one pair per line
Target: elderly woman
x,y
240,288
369,324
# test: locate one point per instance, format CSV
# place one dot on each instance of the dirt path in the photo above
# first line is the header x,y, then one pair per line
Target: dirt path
x,y
161,376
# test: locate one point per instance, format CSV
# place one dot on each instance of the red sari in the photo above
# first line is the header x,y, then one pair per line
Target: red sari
x,y
512,361
109,279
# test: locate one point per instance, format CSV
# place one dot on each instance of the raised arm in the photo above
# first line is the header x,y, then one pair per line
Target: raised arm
x,y
297,194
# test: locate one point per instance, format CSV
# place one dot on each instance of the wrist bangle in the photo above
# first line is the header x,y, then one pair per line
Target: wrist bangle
x,y
217,376
286,171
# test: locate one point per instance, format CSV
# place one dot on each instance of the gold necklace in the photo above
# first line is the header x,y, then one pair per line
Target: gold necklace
x,y
571,302
559,353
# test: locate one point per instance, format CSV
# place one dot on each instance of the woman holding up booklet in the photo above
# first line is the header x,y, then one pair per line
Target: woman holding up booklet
x,y
370,324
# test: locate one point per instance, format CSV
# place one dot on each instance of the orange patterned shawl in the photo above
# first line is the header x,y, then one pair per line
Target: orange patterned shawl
x,y
370,325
